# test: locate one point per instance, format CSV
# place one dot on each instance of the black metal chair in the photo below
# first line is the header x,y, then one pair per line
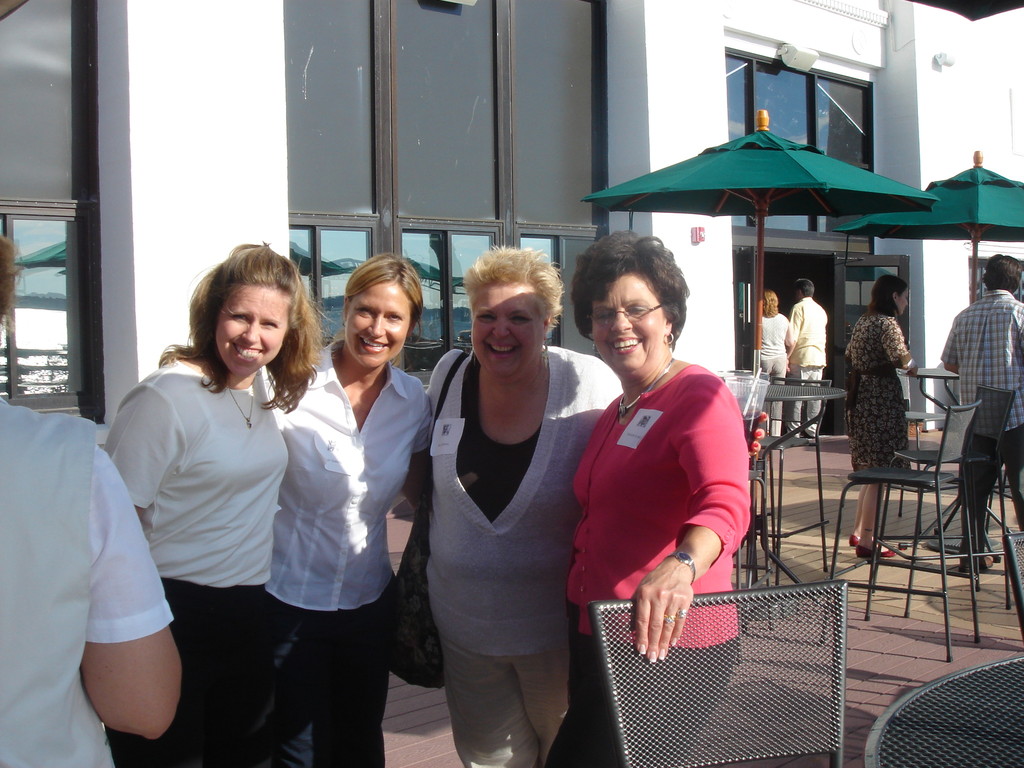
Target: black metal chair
x,y
778,650
910,552
773,446
989,422
1013,551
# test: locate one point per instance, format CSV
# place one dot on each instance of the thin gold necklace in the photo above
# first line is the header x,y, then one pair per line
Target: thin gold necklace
x,y
252,402
624,407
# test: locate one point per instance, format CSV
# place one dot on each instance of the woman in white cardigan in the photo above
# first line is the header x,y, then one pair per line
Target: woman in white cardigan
x,y
506,445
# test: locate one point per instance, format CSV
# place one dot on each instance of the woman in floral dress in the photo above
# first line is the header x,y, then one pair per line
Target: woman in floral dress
x,y
875,412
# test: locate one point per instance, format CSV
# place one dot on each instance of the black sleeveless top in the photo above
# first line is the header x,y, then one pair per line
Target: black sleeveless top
x,y
489,471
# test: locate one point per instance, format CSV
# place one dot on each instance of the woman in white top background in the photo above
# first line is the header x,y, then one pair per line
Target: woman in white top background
x,y
776,344
200,452
351,442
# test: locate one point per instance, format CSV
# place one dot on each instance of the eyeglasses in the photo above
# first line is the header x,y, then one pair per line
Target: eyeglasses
x,y
634,313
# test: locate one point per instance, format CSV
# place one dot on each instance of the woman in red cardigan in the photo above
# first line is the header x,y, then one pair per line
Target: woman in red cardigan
x,y
662,483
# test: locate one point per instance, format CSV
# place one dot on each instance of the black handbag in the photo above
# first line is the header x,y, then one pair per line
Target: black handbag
x,y
416,653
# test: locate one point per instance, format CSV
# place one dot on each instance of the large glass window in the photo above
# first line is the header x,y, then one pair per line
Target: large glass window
x,y
447,320
36,85
329,75
40,339
841,117
326,257
465,122
825,112
50,355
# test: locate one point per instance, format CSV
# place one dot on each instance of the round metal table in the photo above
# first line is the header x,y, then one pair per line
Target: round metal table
x,y
971,718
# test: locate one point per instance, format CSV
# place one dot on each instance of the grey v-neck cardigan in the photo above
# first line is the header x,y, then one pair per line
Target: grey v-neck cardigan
x,y
499,588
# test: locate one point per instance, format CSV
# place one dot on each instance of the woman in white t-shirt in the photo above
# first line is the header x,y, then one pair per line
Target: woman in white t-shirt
x,y
357,440
200,452
776,343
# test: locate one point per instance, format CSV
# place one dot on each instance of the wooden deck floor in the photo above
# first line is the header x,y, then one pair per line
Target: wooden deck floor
x,y
887,655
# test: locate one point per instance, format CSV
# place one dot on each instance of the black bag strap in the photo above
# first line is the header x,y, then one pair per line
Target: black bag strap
x,y
428,481
448,382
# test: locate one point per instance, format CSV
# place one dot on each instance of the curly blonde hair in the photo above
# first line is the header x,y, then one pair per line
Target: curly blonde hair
x,y
524,266
293,369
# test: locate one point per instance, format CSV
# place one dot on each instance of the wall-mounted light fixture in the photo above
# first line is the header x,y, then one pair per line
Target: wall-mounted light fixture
x,y
944,59
796,57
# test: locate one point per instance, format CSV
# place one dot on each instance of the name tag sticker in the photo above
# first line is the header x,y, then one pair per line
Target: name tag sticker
x,y
638,428
447,434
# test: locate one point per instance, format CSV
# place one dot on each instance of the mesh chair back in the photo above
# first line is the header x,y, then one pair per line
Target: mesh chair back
x,y
1013,548
993,411
758,674
957,432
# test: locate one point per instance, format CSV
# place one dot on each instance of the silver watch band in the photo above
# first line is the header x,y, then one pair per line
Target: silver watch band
x,y
685,559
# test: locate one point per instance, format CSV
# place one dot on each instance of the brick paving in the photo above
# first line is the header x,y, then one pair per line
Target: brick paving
x,y
887,655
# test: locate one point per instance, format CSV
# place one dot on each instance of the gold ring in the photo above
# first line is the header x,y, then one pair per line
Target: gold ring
x,y
670,620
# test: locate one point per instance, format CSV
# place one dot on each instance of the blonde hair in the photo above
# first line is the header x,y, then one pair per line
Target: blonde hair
x,y
386,268
293,369
511,266
771,303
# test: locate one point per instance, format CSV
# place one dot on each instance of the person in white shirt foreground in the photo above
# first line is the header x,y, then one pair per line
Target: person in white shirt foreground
x,y
83,619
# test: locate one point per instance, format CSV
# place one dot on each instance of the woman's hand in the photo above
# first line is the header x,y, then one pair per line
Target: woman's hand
x,y
755,445
662,600
663,597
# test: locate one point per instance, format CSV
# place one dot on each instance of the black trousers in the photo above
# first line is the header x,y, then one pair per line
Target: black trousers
x,y
331,683
226,687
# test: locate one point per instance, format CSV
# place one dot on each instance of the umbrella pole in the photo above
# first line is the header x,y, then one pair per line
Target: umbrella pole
x,y
761,208
974,270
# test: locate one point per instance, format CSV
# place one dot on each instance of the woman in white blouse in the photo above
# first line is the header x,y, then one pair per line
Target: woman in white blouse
x,y
356,441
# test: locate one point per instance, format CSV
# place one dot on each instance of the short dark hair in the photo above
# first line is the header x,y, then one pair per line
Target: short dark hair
x,y
882,302
1002,273
627,253
804,287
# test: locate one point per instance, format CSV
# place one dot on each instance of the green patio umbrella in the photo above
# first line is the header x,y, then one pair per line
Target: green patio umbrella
x,y
762,175
973,9
974,205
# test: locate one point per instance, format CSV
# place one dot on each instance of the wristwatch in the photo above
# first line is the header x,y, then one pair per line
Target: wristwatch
x,y
685,559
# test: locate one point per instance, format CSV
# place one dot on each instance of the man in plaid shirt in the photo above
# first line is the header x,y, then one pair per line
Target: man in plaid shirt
x,y
986,346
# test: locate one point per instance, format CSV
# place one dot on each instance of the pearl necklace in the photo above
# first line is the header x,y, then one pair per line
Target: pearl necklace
x,y
624,406
252,401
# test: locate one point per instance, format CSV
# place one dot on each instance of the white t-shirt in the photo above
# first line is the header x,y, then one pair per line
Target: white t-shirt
x,y
207,484
330,537
126,597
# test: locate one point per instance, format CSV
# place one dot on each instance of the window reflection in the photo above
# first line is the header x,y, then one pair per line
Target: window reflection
x,y
784,95
840,111
39,342
341,251
424,347
465,250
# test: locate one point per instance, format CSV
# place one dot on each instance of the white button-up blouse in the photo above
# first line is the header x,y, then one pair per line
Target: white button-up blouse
x,y
330,535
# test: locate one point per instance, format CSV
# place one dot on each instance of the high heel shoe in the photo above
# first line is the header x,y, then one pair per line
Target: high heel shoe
x,y
854,540
865,552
